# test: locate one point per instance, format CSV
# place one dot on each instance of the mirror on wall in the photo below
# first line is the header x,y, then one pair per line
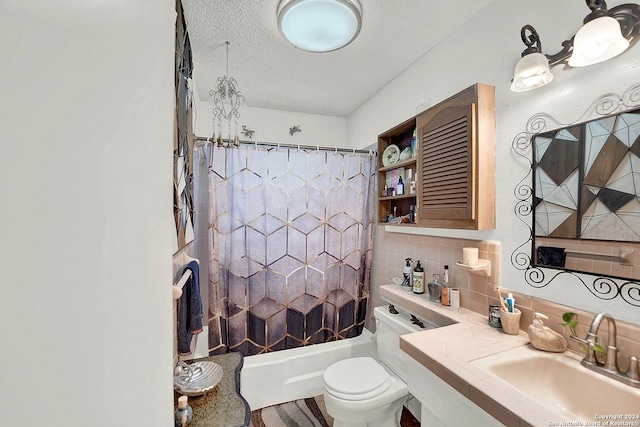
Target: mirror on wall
x,y
580,199
183,140
586,207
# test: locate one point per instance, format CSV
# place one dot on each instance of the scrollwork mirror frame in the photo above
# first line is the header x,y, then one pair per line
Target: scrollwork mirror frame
x,y
602,287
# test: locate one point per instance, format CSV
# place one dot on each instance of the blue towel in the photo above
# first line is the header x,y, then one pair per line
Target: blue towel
x,y
189,310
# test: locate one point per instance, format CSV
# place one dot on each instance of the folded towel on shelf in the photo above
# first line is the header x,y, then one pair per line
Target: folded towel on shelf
x,y
189,310
549,255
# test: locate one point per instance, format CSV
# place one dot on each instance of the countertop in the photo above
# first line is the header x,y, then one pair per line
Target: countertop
x,y
223,406
447,351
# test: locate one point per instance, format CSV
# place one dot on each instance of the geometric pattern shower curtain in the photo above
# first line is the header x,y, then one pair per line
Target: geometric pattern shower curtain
x,y
291,236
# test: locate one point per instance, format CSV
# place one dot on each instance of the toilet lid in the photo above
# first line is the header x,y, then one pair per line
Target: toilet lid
x,y
357,378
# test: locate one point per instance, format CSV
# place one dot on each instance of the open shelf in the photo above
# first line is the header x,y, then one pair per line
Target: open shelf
x,y
483,268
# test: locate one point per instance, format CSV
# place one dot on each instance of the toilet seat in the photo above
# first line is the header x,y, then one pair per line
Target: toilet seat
x,y
357,378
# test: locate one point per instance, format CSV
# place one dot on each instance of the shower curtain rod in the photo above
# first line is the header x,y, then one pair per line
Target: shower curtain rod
x,y
286,145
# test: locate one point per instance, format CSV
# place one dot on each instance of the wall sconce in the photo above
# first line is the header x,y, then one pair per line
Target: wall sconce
x,y
319,25
604,35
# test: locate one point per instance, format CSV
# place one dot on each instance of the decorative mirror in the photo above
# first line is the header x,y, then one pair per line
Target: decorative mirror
x,y
581,198
183,201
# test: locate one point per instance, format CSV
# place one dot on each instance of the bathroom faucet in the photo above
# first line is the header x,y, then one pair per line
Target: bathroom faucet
x,y
610,366
611,362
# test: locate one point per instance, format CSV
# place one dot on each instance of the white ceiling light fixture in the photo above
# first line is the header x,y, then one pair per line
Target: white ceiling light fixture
x,y
604,35
319,25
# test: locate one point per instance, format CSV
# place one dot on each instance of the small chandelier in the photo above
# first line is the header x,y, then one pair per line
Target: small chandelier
x,y
227,100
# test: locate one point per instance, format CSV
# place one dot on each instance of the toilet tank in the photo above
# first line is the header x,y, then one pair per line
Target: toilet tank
x,y
389,327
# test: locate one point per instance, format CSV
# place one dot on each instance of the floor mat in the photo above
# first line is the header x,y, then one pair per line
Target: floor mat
x,y
309,412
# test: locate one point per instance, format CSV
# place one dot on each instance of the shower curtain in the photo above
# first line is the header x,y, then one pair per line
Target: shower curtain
x,y
291,235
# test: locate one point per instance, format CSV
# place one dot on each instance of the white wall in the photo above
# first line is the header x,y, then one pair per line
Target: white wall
x,y
86,111
273,126
486,50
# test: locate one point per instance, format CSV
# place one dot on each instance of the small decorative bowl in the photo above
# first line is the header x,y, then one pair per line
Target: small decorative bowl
x,y
405,154
197,378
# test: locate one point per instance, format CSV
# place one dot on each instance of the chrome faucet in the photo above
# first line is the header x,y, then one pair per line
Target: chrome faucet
x,y
610,366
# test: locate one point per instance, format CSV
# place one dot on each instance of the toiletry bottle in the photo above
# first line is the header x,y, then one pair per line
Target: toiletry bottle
x,y
406,272
444,298
414,143
435,288
418,279
184,413
400,187
511,302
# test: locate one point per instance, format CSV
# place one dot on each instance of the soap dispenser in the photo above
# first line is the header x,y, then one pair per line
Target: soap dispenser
x,y
418,279
407,271
544,338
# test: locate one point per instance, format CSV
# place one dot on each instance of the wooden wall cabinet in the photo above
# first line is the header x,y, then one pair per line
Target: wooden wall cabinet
x,y
454,166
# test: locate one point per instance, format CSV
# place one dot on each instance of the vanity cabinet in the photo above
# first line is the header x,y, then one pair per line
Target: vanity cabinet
x,y
453,167
441,404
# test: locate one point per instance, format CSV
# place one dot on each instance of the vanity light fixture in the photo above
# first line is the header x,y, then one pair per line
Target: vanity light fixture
x,y
319,25
599,39
604,35
532,71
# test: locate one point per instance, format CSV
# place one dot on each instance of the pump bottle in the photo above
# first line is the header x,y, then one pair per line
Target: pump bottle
x,y
418,279
407,273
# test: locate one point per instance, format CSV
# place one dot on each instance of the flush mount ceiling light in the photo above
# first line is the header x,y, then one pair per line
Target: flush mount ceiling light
x,y
319,25
604,35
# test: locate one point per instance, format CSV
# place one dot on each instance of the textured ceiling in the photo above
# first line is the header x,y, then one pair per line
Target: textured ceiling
x,y
271,73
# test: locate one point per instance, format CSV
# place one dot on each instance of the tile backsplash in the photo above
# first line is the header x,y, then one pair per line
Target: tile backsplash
x,y
391,249
477,291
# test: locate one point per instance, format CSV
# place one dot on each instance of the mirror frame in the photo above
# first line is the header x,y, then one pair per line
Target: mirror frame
x,y
601,286
183,145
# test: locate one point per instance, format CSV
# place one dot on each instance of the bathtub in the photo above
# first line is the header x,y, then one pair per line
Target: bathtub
x,y
281,376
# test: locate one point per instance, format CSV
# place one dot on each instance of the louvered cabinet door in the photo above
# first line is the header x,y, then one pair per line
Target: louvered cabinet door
x,y
456,161
448,165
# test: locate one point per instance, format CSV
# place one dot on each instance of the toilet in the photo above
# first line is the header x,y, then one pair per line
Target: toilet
x,y
362,392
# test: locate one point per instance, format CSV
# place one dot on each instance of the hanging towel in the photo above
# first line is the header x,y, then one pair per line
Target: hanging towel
x,y
189,310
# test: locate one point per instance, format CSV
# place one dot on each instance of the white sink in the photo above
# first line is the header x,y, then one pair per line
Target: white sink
x,y
558,382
